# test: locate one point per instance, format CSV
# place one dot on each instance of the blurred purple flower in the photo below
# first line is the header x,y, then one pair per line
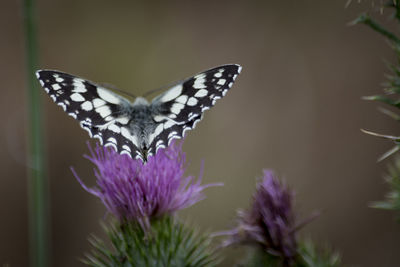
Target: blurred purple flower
x,y
131,190
270,222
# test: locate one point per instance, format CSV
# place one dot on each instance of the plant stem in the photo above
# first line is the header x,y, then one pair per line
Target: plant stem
x,y
37,181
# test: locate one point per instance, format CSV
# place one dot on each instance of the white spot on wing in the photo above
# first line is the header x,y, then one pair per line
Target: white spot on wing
x,y
112,140
85,127
204,109
135,140
125,133
111,145
62,105
77,97
126,153
215,99
168,124
221,81
87,105
191,116
159,118
182,99
172,134
160,144
99,138
172,93
201,93
79,87
123,120
199,82
172,138
195,122
151,138
158,130
59,79
114,128
177,107
185,130
104,111
56,86
127,148
108,96
192,101
97,102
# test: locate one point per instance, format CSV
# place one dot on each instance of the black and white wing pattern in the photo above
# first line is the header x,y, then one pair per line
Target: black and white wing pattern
x,y
104,114
182,106
138,129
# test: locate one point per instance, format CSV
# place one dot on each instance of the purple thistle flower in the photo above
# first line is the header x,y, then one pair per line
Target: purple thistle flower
x,y
270,222
133,191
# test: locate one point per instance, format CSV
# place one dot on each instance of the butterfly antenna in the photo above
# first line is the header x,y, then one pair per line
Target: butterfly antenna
x,y
166,86
162,88
114,88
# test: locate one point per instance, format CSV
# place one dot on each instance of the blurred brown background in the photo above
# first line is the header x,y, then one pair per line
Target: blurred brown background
x,y
295,108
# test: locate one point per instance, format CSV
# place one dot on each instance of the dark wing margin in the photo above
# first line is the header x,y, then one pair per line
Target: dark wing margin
x,y
181,107
102,113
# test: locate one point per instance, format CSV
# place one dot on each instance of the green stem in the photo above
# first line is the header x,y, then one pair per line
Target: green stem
x,y
38,185
365,19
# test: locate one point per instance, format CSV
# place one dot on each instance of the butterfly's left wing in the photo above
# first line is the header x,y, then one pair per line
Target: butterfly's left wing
x,y
182,106
102,113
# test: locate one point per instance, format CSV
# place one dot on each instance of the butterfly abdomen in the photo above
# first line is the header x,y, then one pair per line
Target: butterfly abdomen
x,y
141,123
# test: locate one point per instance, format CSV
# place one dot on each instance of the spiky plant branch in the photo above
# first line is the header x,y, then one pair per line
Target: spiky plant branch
x,y
391,94
391,97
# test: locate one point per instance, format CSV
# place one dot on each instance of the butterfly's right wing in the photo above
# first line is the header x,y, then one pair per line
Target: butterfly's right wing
x,y
182,106
102,113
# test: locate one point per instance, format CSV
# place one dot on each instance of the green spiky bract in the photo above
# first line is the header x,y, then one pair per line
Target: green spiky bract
x,y
258,257
307,256
167,243
310,256
392,201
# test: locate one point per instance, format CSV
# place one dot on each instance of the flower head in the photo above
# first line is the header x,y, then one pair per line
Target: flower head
x,y
270,221
131,190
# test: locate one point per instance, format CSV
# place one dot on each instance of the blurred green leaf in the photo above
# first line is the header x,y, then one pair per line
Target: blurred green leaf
x,y
392,178
390,113
384,99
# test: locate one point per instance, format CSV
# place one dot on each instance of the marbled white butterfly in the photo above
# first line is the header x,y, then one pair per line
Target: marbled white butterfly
x,y
140,128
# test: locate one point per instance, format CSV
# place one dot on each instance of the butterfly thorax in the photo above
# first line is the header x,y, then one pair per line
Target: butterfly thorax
x,y
141,121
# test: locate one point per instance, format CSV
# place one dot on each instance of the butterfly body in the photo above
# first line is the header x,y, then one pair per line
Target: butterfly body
x,y
140,128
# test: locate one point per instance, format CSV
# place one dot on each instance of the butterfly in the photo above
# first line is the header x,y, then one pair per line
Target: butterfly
x,y
139,128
